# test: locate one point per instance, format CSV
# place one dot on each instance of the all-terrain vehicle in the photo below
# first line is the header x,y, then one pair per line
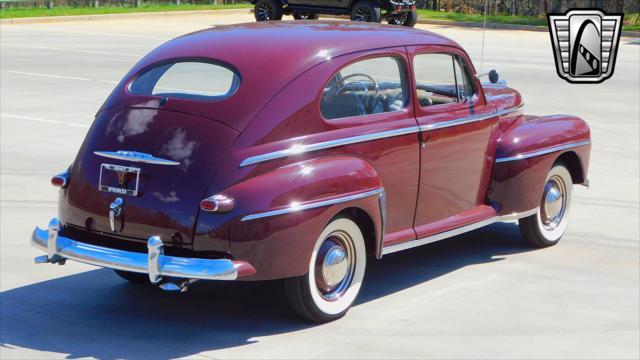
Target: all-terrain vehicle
x,y
396,12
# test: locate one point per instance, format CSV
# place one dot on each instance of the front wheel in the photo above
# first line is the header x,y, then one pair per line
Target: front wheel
x,y
546,227
366,11
266,10
408,19
336,271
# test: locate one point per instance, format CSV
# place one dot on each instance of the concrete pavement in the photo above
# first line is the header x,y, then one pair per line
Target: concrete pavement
x,y
482,295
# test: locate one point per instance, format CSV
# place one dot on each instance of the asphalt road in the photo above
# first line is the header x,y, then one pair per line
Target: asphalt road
x,y
482,295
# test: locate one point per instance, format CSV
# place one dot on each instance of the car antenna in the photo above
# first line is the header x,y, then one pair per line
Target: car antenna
x,y
484,29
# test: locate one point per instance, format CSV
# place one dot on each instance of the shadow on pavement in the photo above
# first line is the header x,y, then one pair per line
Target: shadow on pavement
x,y
82,314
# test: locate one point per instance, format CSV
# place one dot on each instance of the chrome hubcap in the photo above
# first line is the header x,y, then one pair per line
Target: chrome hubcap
x,y
334,266
553,203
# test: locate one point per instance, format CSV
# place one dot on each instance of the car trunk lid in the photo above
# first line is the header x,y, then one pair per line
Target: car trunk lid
x,y
157,162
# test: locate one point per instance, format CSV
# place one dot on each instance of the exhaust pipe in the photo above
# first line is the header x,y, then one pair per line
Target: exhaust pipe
x,y
180,285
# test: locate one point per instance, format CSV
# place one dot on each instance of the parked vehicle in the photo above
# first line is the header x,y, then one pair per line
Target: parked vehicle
x,y
348,143
395,12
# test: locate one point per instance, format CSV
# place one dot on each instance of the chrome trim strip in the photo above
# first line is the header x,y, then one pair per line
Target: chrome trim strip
x,y
301,148
300,207
543,151
190,268
383,223
515,216
437,237
469,119
135,156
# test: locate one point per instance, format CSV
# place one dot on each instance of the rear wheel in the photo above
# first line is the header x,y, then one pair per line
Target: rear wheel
x,y
404,19
132,277
366,11
266,10
336,271
546,227
305,16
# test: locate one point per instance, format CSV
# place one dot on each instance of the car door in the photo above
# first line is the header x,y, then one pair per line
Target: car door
x,y
455,132
369,95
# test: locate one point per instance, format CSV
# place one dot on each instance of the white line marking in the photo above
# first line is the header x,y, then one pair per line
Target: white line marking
x,y
18,27
58,76
46,75
523,66
44,120
71,50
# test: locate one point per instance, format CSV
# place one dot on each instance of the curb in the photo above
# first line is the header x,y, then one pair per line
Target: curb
x,y
98,17
481,25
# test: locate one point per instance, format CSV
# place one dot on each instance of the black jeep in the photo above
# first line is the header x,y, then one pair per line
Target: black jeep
x,y
396,12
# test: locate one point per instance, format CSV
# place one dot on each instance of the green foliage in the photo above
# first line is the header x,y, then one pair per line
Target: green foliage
x,y
631,21
503,19
64,11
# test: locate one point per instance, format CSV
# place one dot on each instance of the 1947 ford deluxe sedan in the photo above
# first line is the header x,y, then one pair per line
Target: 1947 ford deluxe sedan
x,y
302,151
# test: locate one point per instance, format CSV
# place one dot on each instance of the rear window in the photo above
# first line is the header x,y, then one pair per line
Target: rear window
x,y
188,80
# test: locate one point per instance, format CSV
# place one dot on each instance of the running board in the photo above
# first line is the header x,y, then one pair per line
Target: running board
x,y
454,232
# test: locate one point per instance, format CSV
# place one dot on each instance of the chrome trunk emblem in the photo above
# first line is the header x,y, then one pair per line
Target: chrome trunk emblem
x,y
135,156
585,44
115,213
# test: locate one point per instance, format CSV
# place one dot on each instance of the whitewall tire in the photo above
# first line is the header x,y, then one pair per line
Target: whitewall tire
x,y
335,275
546,227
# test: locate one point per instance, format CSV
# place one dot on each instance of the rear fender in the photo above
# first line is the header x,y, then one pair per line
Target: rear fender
x,y
525,153
279,214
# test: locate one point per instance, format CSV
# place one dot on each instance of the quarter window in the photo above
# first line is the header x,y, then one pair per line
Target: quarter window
x,y
187,79
366,87
441,79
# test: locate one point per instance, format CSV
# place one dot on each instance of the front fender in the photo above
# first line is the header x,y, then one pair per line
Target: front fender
x,y
279,214
527,150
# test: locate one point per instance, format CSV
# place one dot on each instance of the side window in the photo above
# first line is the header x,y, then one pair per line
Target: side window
x,y
441,79
366,87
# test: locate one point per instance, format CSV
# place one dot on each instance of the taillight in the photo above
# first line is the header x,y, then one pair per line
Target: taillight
x,y
61,180
217,203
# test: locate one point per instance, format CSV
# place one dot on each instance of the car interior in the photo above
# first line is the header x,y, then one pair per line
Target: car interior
x,y
359,94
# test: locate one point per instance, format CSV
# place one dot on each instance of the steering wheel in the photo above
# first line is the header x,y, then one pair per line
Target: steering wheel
x,y
366,98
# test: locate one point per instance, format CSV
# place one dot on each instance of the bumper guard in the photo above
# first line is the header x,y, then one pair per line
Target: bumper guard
x,y
154,262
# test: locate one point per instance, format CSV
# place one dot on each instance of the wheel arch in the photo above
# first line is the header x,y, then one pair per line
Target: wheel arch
x,y
280,213
366,224
526,152
573,163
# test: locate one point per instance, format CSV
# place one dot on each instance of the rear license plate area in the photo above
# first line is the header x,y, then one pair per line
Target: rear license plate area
x,y
118,179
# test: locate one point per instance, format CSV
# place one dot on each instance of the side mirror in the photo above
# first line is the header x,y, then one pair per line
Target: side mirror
x,y
494,76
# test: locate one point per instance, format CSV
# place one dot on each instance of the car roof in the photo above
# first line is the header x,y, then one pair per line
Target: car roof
x,y
268,55
299,40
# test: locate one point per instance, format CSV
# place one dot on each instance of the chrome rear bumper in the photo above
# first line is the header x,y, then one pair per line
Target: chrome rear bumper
x,y
154,262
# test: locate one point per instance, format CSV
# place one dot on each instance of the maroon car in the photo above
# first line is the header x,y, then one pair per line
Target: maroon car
x,y
302,151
